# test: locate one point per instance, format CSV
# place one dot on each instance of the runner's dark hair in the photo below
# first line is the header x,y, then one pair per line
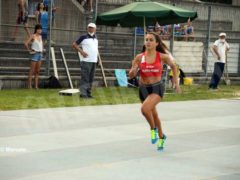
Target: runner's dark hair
x,y
161,47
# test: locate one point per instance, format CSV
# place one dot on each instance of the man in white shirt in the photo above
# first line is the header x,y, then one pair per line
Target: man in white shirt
x,y
220,48
89,58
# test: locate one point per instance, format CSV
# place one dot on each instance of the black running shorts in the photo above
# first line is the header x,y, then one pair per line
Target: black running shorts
x,y
156,88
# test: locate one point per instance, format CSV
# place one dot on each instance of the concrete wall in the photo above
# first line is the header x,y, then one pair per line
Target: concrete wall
x,y
69,20
0,19
188,55
236,2
220,12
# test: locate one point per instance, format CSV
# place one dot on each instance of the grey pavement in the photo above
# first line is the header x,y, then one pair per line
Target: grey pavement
x,y
113,143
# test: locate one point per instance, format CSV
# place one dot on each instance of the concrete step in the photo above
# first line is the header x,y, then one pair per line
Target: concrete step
x,y
111,38
14,82
102,43
20,81
9,62
214,33
61,71
217,25
6,52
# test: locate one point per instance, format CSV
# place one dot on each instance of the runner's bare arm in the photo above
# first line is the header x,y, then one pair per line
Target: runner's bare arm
x,y
135,65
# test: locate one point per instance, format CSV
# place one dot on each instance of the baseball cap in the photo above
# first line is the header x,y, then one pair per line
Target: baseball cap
x,y
92,25
222,34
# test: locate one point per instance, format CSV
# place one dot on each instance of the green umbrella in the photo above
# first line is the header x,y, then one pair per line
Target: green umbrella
x,y
140,14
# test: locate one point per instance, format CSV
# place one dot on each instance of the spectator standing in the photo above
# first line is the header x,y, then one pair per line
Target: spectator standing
x,y
220,48
188,31
39,10
36,50
89,4
89,57
22,17
54,9
42,18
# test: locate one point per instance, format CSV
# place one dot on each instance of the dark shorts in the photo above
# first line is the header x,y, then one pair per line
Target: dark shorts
x,y
156,88
22,19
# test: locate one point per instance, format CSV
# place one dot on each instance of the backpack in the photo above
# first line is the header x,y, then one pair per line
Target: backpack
x,y
52,82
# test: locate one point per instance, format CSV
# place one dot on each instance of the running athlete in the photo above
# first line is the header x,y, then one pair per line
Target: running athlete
x,y
151,89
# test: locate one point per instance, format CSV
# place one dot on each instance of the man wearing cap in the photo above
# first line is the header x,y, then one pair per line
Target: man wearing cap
x,y
87,45
220,48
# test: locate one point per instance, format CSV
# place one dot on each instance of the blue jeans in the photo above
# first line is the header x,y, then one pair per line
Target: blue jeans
x,y
217,74
37,56
87,76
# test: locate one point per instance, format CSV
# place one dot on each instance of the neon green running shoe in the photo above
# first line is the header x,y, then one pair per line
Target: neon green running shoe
x,y
154,135
161,141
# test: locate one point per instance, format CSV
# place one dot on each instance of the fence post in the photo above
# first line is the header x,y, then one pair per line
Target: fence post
x,y
208,39
1,18
135,42
96,10
172,34
106,41
49,39
239,61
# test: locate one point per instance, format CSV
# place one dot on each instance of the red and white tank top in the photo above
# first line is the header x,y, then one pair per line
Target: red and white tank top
x,y
151,70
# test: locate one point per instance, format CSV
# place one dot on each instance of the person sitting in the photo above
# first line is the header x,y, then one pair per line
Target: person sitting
x,y
158,29
180,74
166,32
188,31
177,29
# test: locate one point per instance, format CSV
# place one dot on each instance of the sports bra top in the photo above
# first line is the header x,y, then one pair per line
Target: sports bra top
x,y
153,69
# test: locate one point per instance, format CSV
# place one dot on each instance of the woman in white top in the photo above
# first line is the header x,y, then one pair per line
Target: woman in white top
x,y
36,51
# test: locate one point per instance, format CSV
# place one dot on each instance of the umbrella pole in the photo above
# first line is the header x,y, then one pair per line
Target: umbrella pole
x,y
144,28
135,42
172,39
